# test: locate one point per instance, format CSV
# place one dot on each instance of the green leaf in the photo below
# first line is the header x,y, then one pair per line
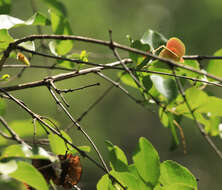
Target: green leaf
x,y
172,172
178,186
166,86
141,184
5,6
147,162
60,25
212,106
153,39
147,82
30,175
57,145
8,22
127,179
118,160
30,45
214,67
25,128
105,183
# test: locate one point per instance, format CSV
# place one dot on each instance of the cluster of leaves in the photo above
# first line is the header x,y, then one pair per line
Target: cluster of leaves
x,y
164,88
146,172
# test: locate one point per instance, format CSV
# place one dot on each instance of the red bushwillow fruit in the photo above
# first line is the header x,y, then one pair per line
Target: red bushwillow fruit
x,y
174,50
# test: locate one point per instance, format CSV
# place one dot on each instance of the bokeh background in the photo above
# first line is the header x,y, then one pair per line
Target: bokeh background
x,y
117,118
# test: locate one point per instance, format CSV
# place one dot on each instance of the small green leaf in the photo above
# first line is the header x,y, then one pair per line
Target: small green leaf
x,y
172,172
30,45
147,162
5,6
166,86
5,77
213,127
214,66
30,175
118,160
153,39
57,145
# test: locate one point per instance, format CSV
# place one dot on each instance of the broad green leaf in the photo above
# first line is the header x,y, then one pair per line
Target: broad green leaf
x,y
191,96
141,184
30,175
214,67
147,83
105,183
166,86
25,128
8,22
118,160
60,25
172,172
57,145
2,106
212,106
191,63
8,167
153,39
158,187
147,162
5,6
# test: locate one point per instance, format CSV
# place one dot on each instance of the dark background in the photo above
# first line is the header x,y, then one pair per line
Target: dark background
x,y
118,119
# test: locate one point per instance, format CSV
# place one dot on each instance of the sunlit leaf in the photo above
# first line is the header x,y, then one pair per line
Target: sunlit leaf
x,y
172,172
105,183
5,39
146,160
57,145
118,160
178,186
166,86
30,175
8,167
56,6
